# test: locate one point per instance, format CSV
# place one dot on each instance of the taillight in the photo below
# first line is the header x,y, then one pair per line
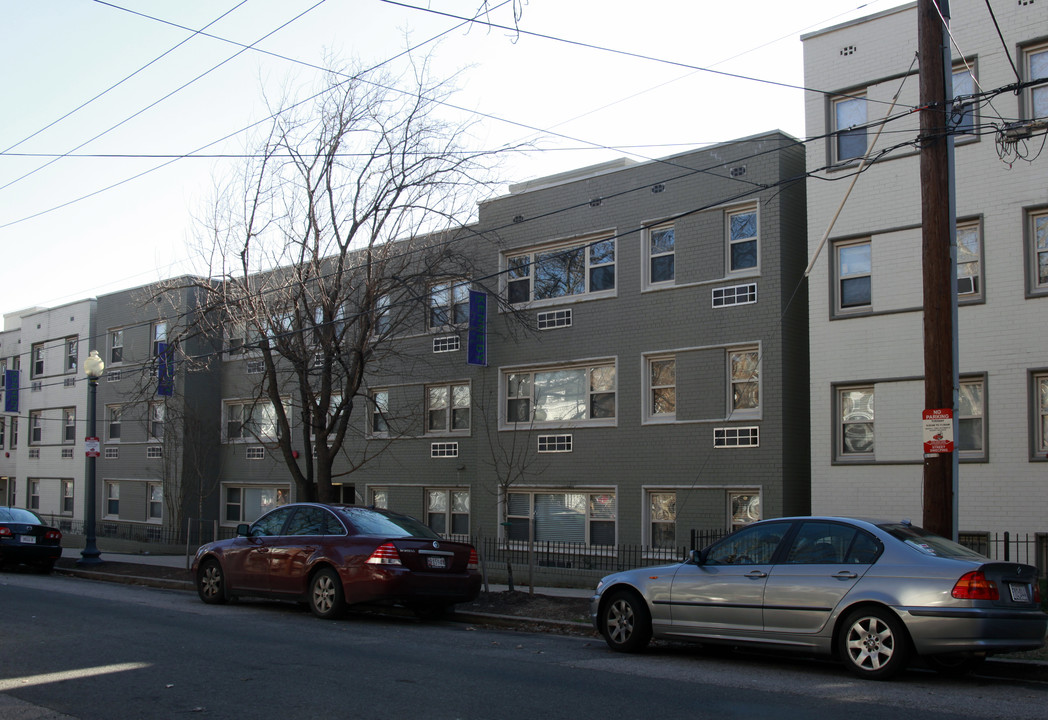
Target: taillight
x,y
5,531
1036,592
52,535
474,560
384,555
975,586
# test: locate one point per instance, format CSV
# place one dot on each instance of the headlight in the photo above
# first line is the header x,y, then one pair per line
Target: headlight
x,y
600,585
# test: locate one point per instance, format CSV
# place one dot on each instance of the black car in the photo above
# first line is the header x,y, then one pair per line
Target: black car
x,y
24,538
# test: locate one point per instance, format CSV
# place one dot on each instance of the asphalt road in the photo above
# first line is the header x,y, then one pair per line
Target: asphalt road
x,y
74,648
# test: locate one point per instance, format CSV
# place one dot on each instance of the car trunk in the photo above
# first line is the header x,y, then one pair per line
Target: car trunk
x,y
1015,584
432,556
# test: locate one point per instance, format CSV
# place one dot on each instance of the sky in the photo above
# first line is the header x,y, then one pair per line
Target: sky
x,y
98,98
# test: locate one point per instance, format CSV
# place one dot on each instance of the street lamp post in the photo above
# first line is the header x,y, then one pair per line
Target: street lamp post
x,y
93,367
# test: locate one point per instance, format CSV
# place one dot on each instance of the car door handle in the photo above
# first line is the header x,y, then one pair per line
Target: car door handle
x,y
262,549
756,574
845,575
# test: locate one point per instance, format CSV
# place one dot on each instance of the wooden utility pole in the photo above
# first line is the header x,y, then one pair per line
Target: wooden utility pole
x,y
939,280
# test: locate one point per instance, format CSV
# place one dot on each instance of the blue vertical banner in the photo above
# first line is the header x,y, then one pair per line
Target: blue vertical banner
x,y
11,396
165,364
477,345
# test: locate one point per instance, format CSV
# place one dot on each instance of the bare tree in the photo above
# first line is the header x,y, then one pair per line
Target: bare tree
x,y
324,248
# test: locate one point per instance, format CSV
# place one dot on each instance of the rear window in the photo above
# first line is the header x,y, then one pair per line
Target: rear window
x,y
371,522
929,543
18,515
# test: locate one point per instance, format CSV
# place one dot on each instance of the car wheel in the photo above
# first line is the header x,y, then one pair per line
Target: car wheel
x,y
325,594
873,643
211,582
626,622
955,664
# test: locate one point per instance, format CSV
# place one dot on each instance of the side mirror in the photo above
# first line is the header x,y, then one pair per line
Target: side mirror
x,y
697,557
243,530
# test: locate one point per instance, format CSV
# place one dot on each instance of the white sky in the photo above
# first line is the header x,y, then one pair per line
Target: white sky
x,y
59,54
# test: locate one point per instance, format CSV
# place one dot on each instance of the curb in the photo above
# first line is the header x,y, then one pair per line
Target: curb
x,y
125,579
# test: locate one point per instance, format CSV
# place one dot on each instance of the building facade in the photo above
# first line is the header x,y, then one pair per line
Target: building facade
x,y
866,317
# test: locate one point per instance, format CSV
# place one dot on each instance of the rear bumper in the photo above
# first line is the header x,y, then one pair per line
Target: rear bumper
x,y
942,630
398,585
24,553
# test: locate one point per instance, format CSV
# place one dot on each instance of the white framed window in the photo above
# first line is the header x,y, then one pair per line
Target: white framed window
x,y
156,420
154,452
1040,400
37,368
112,490
448,343
736,437
735,295
116,347
114,422
159,336
34,494
3,432
380,413
660,242
969,260
72,354
34,453
67,497
156,502
567,516
1036,61
36,427
447,511
971,419
553,319
383,315
662,518
849,127
67,453
69,425
1037,242
854,265
581,394
111,453
555,443
444,450
448,408
744,508
744,370
247,503
742,240
856,418
566,270
448,304
662,388
379,498
250,421
257,452
962,117
14,432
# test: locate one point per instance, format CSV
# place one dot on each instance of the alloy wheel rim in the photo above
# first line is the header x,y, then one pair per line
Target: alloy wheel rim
x,y
871,644
323,592
211,581
620,621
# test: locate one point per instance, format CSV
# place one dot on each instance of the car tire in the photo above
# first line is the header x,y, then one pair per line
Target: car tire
x,y
326,599
211,582
625,622
955,664
873,643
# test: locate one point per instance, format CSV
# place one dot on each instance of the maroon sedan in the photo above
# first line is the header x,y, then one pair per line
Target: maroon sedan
x,y
331,556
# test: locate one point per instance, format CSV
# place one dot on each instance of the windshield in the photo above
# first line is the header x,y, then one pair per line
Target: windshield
x,y
373,522
18,515
929,543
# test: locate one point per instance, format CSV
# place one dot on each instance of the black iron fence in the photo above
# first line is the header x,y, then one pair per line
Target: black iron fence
x,y
1028,548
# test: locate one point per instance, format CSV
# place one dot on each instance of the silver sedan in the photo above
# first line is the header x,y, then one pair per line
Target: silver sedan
x,y
872,594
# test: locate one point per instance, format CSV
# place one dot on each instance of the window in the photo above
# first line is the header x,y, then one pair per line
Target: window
x,y
662,376
560,271
114,415
69,434
1041,398
38,360
112,499
823,543
251,420
742,240
3,373
448,408
156,452
583,394
744,508
112,453
34,494
962,116
856,420
968,260
14,433
156,420
156,502
380,498
448,304
159,337
3,431
662,510
72,354
36,427
1036,68
849,127
1037,229
971,428
447,511
380,412
661,254
745,371
116,347
854,270
750,546
67,497
383,315
245,504
570,517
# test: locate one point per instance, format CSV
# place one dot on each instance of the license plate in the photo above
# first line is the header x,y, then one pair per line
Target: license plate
x,y
436,562
1019,593
28,539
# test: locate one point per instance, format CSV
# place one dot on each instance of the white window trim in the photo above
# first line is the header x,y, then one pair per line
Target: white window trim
x,y
561,245
756,240
974,454
649,414
839,425
1032,215
248,438
839,308
374,410
224,502
834,135
149,502
1028,54
450,286
745,413
646,282
587,492
107,496
963,226
505,424
110,362
449,411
